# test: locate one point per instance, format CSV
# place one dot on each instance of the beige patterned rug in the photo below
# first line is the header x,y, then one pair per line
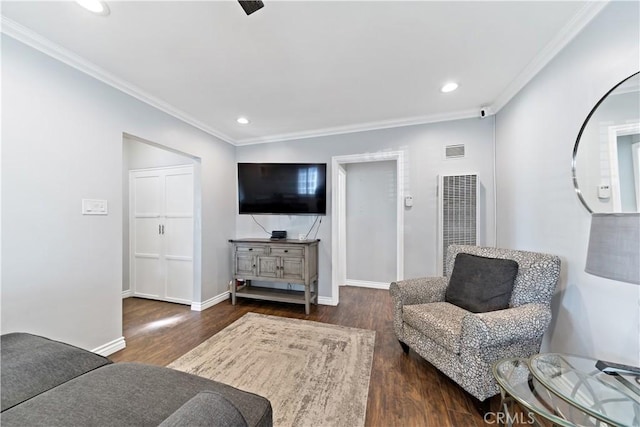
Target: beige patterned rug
x,y
314,374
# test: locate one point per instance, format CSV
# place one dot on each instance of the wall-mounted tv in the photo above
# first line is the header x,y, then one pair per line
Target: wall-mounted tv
x,y
282,188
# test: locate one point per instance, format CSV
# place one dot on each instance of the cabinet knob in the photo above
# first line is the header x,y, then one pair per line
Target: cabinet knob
x,y
286,250
250,249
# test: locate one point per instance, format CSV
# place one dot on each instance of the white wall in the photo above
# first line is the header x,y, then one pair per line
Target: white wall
x,y
371,229
423,148
537,206
62,137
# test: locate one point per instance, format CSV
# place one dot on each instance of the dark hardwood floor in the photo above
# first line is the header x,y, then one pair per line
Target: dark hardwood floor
x,y
405,390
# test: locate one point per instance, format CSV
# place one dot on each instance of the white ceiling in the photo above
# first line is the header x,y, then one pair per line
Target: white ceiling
x,y
306,68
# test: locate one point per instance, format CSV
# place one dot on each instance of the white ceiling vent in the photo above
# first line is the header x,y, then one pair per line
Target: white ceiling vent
x,y
454,151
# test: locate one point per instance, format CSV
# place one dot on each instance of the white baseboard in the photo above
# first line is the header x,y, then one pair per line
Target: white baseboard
x,y
200,306
367,284
127,294
110,347
327,301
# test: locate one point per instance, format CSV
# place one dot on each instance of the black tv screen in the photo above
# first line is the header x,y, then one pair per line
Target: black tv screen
x,y
282,188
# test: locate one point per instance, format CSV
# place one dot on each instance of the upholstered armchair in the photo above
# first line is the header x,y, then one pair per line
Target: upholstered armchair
x,y
463,344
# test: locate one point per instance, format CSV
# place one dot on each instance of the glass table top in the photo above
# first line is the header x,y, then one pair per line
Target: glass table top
x,y
514,377
614,399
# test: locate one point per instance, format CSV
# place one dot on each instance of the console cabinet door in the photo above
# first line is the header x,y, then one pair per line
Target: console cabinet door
x,y
245,264
268,266
293,268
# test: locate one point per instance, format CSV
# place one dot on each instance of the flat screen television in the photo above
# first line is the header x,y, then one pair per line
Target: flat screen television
x,y
282,188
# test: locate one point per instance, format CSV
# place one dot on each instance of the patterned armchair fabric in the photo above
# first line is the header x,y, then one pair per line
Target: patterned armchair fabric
x,y
464,345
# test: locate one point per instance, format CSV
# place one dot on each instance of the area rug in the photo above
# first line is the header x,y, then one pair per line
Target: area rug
x,y
314,374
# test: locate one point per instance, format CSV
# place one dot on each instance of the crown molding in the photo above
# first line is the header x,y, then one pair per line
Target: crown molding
x,y
363,127
589,11
581,19
42,44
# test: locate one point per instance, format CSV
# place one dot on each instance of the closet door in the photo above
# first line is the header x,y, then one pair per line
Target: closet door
x,y
145,234
178,234
161,233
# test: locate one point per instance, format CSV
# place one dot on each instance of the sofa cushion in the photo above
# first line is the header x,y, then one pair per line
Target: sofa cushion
x,y
439,321
206,408
128,394
481,284
32,364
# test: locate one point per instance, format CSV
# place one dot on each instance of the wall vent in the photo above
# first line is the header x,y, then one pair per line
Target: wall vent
x,y
458,209
454,151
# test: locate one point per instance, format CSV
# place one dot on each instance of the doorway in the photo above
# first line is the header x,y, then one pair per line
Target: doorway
x,y
339,214
142,154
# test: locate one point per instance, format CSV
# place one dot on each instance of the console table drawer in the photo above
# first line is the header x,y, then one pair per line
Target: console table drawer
x,y
292,252
252,249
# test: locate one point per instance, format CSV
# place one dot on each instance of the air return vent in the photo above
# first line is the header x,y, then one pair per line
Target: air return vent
x,y
458,209
454,151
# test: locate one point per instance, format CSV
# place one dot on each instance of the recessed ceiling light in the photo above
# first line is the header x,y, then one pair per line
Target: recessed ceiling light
x,y
95,6
449,87
242,120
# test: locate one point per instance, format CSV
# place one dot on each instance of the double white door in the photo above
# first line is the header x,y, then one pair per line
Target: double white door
x,y
161,233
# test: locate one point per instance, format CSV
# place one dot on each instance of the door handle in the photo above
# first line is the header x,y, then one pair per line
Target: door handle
x,y
162,228
159,229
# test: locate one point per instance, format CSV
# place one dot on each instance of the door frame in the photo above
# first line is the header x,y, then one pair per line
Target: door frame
x,y
613,133
338,214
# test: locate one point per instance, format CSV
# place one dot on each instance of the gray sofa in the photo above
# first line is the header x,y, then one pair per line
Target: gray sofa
x,y
49,383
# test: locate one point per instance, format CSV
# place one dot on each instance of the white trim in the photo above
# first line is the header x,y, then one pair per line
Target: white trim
x,y
163,168
110,347
635,157
201,306
585,15
336,258
367,284
127,294
327,301
362,127
614,132
341,220
42,44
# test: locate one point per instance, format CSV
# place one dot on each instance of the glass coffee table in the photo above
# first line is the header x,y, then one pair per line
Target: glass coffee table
x,y
567,391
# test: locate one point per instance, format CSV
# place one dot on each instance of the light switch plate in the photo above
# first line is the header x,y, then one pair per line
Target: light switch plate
x,y
94,207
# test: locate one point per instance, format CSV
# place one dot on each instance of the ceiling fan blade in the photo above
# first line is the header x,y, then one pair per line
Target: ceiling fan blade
x,y
251,6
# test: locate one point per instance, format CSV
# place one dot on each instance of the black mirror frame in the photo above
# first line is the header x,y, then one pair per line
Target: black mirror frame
x,y
575,147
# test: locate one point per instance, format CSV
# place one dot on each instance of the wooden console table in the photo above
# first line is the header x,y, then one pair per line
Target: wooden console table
x,y
278,261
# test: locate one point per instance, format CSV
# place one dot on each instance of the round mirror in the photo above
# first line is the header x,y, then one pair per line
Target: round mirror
x,y
606,157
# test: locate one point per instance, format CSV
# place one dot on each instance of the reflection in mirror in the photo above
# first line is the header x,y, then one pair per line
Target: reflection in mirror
x,y
606,157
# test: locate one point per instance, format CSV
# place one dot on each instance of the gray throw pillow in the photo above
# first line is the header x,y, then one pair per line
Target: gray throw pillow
x,y
479,284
